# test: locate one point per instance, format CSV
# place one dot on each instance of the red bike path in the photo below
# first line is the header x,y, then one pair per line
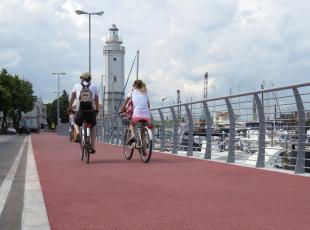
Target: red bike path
x,y
168,193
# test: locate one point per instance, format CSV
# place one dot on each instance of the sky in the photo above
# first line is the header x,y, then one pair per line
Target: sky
x,y
240,43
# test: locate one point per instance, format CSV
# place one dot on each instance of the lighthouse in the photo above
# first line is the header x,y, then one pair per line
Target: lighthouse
x,y
113,53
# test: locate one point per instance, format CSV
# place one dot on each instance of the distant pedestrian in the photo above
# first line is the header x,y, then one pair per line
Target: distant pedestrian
x,y
53,127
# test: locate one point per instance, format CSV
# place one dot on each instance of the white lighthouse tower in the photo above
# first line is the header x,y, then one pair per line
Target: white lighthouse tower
x,y
113,54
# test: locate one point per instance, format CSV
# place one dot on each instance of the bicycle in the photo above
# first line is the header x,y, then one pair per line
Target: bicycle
x,y
143,143
85,141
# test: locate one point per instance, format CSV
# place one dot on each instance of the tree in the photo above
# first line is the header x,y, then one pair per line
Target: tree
x,y
63,106
52,109
16,97
5,102
22,99
51,114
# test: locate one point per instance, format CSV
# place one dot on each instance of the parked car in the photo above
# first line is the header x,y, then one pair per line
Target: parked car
x,y
11,130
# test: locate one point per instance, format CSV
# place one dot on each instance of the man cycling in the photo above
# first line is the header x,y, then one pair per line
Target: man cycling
x,y
87,108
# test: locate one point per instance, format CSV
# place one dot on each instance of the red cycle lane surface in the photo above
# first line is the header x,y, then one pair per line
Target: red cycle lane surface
x,y
168,193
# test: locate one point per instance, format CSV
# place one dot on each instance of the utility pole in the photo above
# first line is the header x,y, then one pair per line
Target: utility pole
x,y
58,74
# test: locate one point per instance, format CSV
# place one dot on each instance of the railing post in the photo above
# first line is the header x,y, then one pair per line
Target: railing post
x,y
99,130
162,131
300,161
190,131
112,130
208,132
260,163
116,132
152,120
98,125
175,132
120,131
232,133
104,129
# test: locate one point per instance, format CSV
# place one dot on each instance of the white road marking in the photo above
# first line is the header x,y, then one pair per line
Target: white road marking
x,y
7,183
34,212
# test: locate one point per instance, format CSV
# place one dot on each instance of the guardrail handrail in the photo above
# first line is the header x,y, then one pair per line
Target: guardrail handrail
x,y
240,95
176,127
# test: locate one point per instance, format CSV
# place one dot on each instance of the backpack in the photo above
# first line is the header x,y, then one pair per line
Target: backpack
x,y
86,99
129,107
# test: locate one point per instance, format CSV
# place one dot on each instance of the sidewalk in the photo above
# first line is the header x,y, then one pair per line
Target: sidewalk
x,y
168,193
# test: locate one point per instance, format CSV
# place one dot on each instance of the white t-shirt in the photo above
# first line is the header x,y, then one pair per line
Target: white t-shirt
x,y
140,104
77,89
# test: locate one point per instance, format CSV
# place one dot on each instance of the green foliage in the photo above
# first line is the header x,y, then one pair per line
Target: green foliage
x,y
16,97
5,99
52,110
63,106
308,124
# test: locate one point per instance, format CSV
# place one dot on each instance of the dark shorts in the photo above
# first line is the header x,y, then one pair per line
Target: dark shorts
x,y
88,116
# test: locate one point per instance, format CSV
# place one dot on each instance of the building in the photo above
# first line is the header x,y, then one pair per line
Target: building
x,y
113,54
222,117
36,119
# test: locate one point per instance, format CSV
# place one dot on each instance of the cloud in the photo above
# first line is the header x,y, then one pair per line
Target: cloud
x,y
239,43
10,58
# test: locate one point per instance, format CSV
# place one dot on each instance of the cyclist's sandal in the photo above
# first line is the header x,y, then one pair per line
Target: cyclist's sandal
x,y
131,140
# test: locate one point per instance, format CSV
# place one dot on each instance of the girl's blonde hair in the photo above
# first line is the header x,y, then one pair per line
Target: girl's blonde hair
x,y
140,85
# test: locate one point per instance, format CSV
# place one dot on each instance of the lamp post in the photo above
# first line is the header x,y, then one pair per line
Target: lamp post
x,y
58,74
99,13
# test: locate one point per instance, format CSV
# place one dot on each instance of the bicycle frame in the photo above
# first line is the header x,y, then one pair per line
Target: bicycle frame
x,y
139,129
85,140
143,144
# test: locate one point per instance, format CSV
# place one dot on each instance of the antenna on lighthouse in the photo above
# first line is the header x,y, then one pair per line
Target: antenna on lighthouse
x,y
205,90
179,102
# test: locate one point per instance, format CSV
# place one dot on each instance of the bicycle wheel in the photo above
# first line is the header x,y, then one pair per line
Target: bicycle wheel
x,y
146,144
82,146
87,145
87,150
127,149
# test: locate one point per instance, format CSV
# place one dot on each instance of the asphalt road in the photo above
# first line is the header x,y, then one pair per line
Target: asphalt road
x,y
12,194
169,193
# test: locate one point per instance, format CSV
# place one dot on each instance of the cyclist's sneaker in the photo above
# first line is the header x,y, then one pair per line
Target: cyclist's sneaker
x,y
93,151
77,138
131,140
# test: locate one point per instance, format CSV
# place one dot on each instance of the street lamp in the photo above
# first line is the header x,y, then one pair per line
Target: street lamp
x,y
99,13
58,94
162,101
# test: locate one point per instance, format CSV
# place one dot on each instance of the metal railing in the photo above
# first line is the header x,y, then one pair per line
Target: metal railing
x,y
263,128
